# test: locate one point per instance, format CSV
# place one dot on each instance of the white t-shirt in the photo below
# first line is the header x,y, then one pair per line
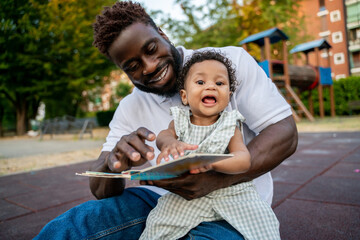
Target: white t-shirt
x,y
256,97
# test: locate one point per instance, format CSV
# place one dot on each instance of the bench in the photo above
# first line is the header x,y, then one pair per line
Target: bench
x,y
66,124
354,106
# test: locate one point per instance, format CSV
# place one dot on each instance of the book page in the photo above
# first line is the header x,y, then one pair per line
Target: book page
x,y
165,170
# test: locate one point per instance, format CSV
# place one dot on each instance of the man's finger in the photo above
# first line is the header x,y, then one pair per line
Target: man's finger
x,y
113,162
135,148
125,148
144,133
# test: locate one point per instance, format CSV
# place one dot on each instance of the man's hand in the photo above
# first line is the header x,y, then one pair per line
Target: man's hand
x,y
191,186
130,151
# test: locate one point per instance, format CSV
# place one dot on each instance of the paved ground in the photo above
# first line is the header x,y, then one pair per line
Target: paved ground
x,y
317,192
14,148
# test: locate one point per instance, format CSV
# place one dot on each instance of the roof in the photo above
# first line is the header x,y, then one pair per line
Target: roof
x,y
274,34
310,46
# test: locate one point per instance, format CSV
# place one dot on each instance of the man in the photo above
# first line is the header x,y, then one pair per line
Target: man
x,y
130,38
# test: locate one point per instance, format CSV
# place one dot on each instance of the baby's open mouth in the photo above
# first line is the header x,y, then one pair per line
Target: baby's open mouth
x,y
209,99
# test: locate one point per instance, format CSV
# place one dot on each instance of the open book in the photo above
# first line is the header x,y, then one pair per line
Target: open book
x,y
165,170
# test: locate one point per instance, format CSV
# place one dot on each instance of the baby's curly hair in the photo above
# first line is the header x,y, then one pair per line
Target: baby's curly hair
x,y
115,19
200,56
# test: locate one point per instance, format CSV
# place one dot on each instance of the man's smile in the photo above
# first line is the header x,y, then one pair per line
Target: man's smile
x,y
161,74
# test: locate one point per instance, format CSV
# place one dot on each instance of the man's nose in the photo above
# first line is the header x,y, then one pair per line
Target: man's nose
x,y
150,64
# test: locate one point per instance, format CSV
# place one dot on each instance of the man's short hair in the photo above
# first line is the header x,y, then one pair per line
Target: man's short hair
x,y
114,20
200,56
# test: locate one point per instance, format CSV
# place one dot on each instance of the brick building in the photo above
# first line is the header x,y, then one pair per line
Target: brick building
x,y
353,26
327,19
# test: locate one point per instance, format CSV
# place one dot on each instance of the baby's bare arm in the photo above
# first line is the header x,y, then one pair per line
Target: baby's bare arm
x,y
240,162
168,144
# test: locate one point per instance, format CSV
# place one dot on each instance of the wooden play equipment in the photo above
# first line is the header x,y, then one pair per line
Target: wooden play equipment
x,y
279,71
323,74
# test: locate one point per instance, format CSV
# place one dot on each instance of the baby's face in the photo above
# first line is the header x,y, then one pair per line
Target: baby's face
x,y
207,88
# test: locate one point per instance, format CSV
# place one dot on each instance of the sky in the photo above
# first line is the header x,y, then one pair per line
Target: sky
x,y
167,6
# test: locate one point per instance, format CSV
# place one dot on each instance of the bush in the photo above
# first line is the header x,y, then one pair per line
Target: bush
x,y
345,90
123,89
104,117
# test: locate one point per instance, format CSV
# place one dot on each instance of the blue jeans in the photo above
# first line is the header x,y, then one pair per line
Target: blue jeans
x,y
122,217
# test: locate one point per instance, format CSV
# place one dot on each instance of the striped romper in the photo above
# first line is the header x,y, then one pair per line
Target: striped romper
x,y
240,205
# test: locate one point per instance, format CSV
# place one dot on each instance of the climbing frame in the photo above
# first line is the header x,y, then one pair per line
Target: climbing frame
x,y
282,80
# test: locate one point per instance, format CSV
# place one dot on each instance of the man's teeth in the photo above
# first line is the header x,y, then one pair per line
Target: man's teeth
x,y
161,76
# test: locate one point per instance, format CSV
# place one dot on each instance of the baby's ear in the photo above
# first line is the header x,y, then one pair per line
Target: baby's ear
x,y
183,97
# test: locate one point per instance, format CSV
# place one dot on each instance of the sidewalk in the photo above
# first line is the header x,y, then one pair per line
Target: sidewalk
x,y
317,192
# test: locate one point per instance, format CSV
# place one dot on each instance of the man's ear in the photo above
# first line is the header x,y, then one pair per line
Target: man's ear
x,y
163,34
183,97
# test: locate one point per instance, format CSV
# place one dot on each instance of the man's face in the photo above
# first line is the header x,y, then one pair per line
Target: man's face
x,y
147,57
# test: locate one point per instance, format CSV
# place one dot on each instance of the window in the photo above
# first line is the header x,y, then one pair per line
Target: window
x,y
337,37
322,13
335,16
340,76
352,34
323,24
324,34
322,5
325,53
339,58
356,59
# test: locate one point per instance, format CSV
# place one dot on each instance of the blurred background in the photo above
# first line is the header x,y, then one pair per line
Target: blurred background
x,y
53,81
58,95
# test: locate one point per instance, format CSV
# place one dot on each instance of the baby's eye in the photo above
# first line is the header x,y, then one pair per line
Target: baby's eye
x,y
219,83
200,82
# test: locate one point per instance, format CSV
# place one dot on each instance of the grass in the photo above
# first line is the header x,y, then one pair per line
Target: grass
x,y
330,124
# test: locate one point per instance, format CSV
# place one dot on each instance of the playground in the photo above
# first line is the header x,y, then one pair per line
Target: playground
x,y
24,154
292,80
316,190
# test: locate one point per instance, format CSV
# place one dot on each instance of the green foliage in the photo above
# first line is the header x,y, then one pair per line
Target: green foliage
x,y
345,90
123,89
104,117
7,116
228,22
47,53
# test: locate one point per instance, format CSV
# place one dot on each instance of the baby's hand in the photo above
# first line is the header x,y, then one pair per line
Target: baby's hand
x,y
201,170
176,149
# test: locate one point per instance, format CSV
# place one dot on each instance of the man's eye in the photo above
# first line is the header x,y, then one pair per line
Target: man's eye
x,y
132,67
151,48
200,82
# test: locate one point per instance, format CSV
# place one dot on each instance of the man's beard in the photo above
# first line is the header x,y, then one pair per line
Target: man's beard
x,y
171,85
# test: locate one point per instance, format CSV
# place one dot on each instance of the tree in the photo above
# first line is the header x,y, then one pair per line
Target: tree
x,y
227,22
47,54
123,89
